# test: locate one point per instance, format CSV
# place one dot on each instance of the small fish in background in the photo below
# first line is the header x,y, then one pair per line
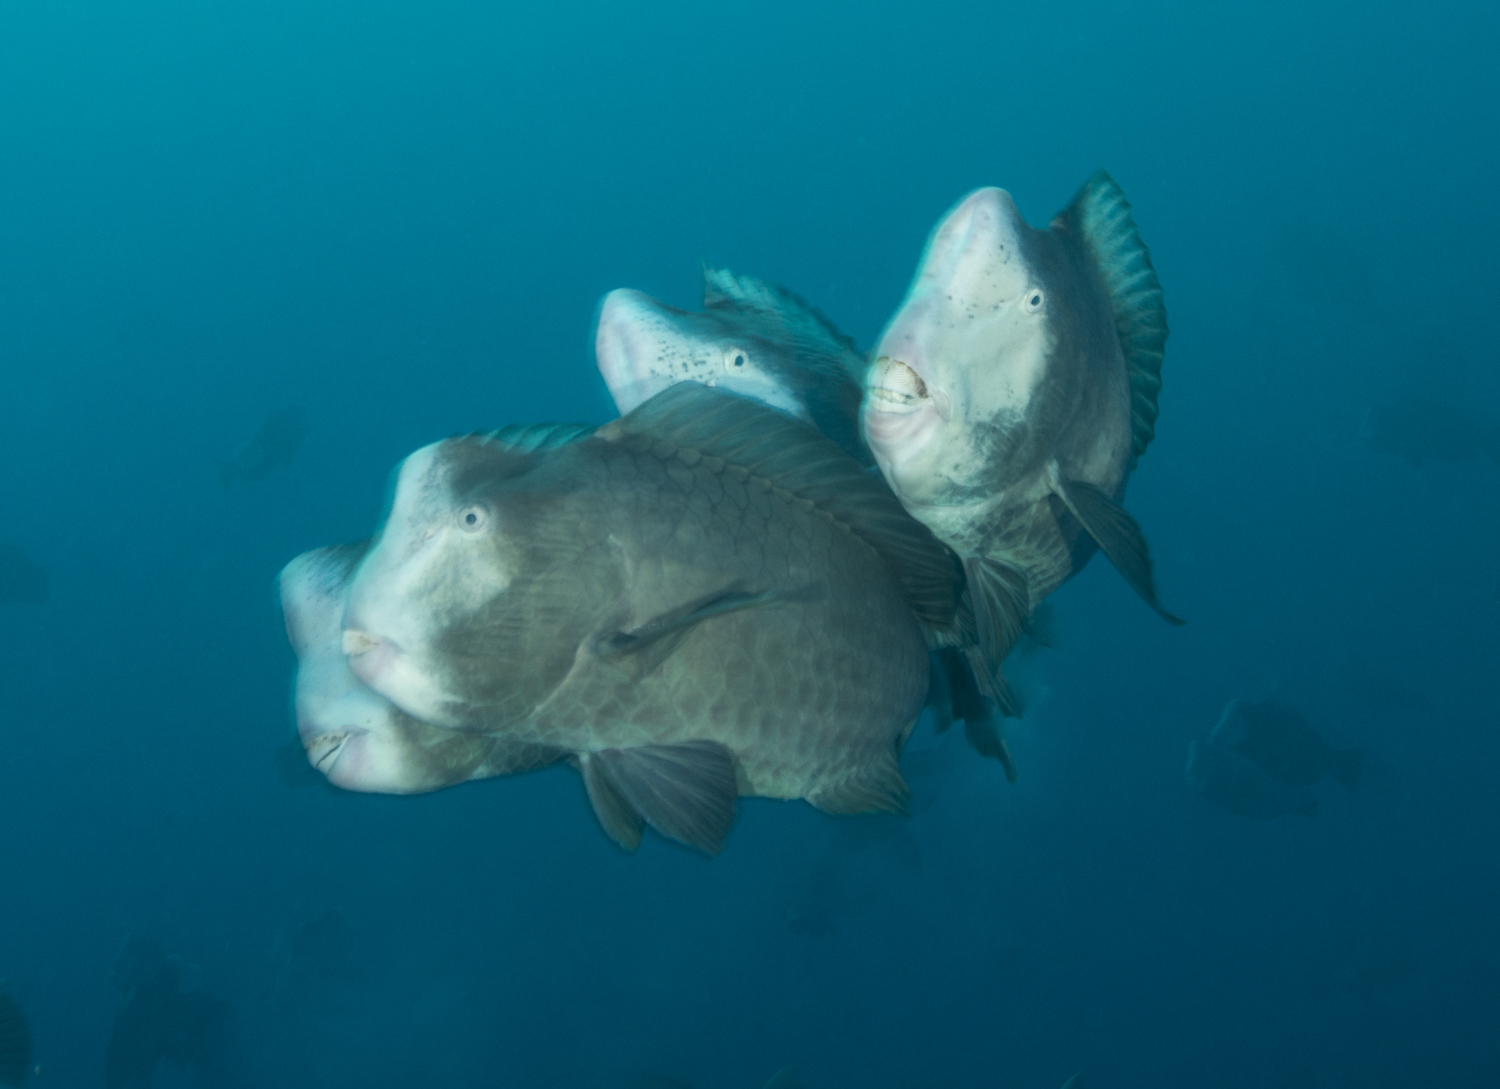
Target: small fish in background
x,y
1421,429
15,1041
1242,787
20,579
276,443
166,1016
1365,963
1275,736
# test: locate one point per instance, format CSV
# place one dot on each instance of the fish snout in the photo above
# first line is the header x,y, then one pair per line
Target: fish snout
x,y
625,349
895,386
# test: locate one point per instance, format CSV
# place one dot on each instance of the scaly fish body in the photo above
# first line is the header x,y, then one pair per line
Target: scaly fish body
x,y
705,597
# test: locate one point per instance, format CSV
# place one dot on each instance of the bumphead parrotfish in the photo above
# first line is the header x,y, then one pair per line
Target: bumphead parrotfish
x,y
702,599
1013,392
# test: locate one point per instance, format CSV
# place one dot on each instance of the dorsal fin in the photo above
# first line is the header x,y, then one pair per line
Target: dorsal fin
x,y
525,438
1100,215
700,421
726,290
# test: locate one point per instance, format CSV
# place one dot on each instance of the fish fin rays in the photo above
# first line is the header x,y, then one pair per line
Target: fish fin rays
x,y
804,323
691,421
878,788
525,438
984,736
1118,535
685,791
1001,602
1100,215
620,820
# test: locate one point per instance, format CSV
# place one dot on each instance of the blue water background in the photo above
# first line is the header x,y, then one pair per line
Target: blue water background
x,y
400,216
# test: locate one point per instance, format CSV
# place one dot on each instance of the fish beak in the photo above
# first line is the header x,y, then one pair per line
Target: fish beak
x,y
895,386
324,750
356,643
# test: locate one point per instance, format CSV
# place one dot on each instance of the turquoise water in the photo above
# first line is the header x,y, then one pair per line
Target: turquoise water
x,y
399,218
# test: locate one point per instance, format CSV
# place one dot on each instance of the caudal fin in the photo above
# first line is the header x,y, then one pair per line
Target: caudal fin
x,y
228,472
1346,766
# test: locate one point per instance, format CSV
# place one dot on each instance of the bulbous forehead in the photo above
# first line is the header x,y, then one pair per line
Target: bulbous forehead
x,y
979,252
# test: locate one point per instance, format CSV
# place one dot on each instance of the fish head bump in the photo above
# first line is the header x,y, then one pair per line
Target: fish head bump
x,y
427,589
964,354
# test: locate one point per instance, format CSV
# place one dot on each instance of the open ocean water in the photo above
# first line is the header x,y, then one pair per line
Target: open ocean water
x,y
398,218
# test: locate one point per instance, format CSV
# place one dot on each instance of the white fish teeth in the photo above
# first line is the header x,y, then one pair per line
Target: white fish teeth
x,y
356,643
895,385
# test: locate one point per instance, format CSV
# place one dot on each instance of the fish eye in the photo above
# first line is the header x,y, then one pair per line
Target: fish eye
x,y
1033,300
472,519
735,359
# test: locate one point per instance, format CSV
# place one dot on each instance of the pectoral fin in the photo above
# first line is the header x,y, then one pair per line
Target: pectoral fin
x,y
1002,603
1116,533
644,648
685,791
621,821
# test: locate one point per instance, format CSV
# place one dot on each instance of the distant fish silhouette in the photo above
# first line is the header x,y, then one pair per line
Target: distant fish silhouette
x,y
1274,735
1240,786
276,443
15,1042
1420,429
164,1015
20,579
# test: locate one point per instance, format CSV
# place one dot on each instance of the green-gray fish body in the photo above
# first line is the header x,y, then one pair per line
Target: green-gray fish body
x,y
702,599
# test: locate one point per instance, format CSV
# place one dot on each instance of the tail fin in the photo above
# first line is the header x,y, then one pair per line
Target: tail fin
x,y
1346,766
228,471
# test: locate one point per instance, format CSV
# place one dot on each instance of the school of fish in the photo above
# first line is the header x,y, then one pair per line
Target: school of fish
x,y
755,580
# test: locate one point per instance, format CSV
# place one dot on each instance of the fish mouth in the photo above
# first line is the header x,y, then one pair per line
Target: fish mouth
x,y
896,387
323,750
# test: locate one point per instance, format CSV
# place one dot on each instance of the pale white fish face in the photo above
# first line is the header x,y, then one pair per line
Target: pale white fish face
x,y
350,734
965,350
432,565
642,346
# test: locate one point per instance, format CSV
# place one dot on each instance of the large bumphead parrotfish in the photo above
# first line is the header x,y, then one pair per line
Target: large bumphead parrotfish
x,y
764,341
703,599
1012,394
